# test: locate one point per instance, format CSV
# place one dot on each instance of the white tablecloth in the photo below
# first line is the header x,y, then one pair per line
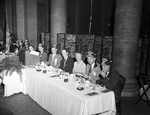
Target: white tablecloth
x,y
61,98
13,83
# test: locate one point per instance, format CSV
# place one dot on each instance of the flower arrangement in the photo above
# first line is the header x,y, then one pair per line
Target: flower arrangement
x,y
12,64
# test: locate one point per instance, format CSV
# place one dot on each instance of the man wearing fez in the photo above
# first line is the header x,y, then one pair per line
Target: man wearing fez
x,y
111,78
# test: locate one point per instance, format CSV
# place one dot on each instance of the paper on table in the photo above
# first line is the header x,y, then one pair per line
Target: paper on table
x,y
92,94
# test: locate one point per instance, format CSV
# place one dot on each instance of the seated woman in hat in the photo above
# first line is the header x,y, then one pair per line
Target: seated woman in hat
x,y
93,68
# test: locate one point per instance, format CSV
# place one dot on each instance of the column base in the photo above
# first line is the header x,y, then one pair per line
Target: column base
x,y
130,94
131,88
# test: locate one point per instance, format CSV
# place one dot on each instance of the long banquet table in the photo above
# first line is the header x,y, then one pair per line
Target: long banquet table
x,y
63,98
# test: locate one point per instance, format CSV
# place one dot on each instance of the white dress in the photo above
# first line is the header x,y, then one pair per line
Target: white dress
x,y
79,67
13,84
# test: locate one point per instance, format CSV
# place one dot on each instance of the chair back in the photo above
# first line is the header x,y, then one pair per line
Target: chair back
x,y
144,82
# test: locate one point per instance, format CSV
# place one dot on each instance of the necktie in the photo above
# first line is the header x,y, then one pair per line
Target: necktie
x,y
90,70
53,57
65,62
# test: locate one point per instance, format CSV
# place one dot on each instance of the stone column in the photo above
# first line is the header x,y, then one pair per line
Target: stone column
x,y
126,34
20,9
31,21
58,18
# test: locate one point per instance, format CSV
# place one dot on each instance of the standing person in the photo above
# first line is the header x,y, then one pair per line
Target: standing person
x,y
93,68
8,42
79,65
43,55
54,58
67,62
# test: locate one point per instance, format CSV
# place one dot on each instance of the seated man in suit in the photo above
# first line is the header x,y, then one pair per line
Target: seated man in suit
x,y
43,55
111,78
54,58
67,62
93,68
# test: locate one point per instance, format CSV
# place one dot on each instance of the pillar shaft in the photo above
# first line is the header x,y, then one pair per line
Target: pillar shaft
x,y
31,21
58,18
20,9
126,34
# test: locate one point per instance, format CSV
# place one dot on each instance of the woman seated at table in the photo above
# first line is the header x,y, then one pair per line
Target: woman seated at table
x,y
79,65
93,68
54,58
43,55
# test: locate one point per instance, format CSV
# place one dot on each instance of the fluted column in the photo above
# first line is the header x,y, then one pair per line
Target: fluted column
x,y
58,18
126,34
31,21
20,12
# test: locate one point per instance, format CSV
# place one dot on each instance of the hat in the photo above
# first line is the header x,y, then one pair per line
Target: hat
x,y
108,61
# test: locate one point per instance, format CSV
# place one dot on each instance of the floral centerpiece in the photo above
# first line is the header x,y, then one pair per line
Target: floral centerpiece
x,y
11,64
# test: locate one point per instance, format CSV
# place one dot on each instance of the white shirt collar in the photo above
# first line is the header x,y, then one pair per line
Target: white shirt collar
x,y
92,65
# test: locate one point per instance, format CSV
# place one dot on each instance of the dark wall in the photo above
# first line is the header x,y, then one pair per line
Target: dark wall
x,y
42,17
78,13
71,6
2,23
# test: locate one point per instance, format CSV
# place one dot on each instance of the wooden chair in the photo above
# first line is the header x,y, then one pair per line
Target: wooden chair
x,y
144,82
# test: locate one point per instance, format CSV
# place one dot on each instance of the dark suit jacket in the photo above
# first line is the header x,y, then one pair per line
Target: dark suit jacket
x,y
112,82
68,66
2,47
43,57
55,62
21,55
